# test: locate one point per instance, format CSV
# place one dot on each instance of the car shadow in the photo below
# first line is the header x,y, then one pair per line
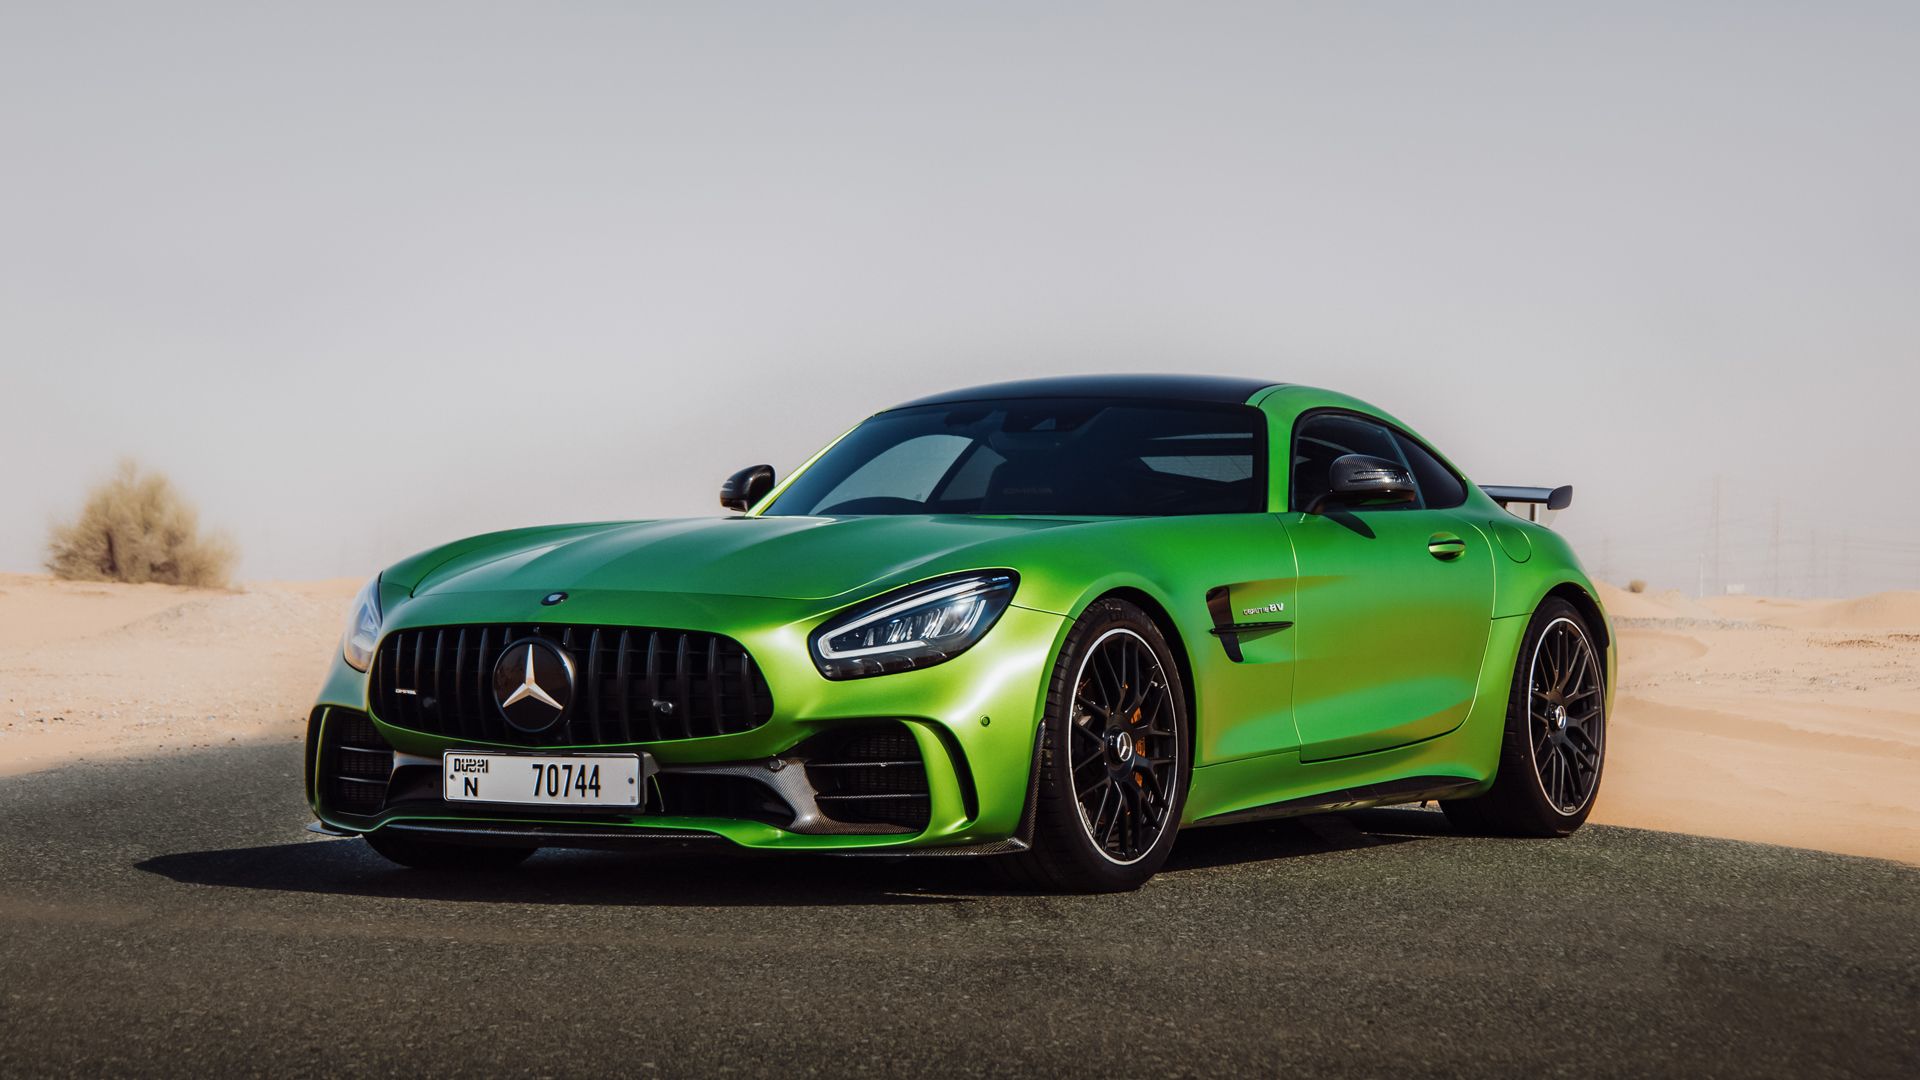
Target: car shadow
x,y
345,867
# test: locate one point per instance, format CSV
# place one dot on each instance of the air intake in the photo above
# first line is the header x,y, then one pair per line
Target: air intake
x,y
870,776
355,764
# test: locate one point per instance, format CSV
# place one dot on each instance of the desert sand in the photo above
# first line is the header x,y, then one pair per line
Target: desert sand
x,y
1782,721
1786,721
94,670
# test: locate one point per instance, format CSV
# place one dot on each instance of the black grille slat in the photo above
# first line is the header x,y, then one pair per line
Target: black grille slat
x,y
635,684
683,682
460,678
419,650
653,673
479,716
713,684
745,684
623,678
593,685
439,669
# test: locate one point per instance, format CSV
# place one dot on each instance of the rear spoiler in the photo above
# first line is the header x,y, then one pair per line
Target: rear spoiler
x,y
1532,498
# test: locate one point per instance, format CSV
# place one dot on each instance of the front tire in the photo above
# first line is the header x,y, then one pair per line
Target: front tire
x,y
419,853
1554,747
1114,758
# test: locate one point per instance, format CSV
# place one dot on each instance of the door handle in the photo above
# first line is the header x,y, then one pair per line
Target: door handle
x,y
1446,546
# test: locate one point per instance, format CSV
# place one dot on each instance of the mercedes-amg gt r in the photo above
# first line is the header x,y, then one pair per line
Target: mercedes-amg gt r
x,y
1054,621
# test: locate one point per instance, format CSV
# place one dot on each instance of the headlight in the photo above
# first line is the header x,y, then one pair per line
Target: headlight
x,y
363,627
915,627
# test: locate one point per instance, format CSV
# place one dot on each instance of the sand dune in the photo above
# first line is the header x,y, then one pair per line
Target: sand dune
x,y
1881,611
1792,722
1670,604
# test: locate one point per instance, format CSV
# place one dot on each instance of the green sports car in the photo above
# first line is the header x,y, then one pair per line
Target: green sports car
x,y
1053,621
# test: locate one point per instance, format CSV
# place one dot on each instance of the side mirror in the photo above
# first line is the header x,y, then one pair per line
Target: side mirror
x,y
1357,478
746,487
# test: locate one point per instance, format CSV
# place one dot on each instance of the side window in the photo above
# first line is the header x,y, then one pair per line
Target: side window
x,y
1440,489
1321,438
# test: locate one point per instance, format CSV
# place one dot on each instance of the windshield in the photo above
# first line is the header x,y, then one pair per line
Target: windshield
x,y
1072,458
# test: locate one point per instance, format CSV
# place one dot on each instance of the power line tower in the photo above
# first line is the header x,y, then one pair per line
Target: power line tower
x,y
1719,571
1813,562
1773,549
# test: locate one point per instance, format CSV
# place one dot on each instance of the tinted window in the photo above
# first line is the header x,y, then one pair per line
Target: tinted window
x,y
1322,437
1092,458
907,469
1439,488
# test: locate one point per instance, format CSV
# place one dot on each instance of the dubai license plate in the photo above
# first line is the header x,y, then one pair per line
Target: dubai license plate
x,y
529,780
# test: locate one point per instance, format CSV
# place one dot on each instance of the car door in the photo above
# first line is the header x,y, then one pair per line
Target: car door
x,y
1394,604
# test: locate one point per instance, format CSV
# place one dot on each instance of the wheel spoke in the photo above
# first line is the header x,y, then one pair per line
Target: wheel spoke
x,y
1119,805
1116,682
1584,760
1130,669
1577,676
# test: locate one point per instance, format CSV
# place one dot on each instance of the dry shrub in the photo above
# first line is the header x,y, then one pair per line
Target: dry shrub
x,y
1636,585
136,527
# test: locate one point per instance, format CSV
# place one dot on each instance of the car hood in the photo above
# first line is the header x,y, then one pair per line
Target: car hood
x,y
794,558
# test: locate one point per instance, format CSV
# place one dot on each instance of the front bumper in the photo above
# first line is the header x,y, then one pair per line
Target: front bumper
x,y
970,722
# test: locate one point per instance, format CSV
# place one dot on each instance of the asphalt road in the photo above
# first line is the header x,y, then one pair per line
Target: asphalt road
x,y
170,917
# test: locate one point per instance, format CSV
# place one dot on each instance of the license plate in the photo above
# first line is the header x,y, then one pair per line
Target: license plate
x,y
526,780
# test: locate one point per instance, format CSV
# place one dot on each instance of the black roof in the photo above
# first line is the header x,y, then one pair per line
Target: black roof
x,y
1207,388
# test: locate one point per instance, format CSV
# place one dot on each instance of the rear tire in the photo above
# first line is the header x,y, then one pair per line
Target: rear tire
x,y
1553,751
1114,758
419,853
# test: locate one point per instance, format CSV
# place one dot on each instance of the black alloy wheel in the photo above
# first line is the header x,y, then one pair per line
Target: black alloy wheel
x,y
1112,757
1124,747
1553,746
1567,717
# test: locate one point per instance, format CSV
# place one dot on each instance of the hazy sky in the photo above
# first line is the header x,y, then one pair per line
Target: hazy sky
x,y
363,277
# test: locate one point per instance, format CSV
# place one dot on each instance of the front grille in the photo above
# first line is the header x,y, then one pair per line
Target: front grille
x,y
355,764
869,775
634,685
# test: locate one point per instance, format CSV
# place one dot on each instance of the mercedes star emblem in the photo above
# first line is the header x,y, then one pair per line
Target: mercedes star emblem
x,y
533,682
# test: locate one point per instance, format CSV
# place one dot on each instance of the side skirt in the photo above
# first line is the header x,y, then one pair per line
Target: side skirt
x,y
1411,789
